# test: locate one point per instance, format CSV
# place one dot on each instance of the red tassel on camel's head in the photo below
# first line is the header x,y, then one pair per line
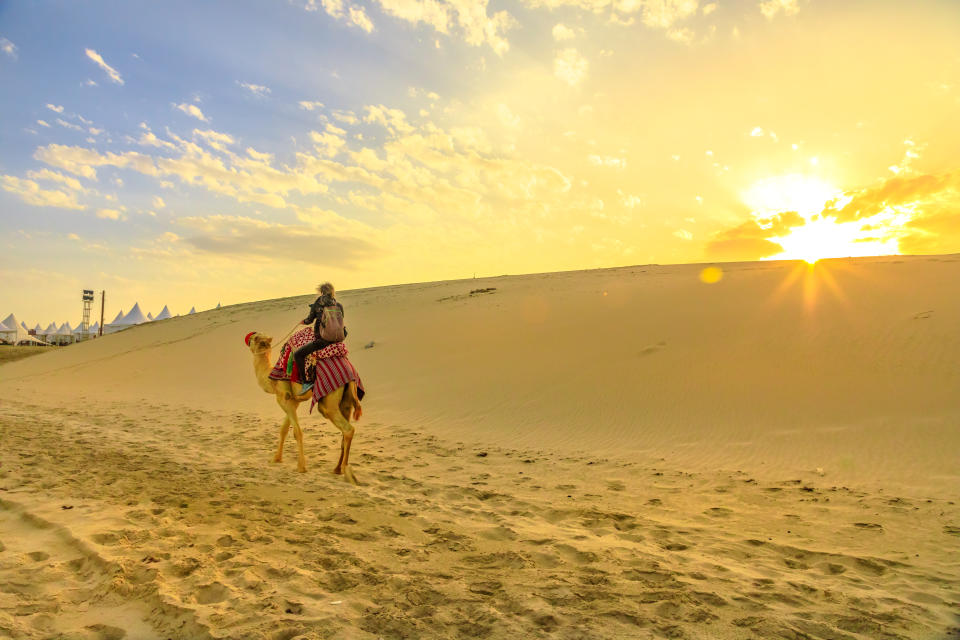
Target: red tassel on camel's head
x,y
247,338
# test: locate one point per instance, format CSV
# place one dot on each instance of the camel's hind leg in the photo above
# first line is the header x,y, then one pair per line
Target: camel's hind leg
x,y
330,408
284,427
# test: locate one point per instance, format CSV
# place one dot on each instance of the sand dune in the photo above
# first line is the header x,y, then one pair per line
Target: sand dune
x,y
624,453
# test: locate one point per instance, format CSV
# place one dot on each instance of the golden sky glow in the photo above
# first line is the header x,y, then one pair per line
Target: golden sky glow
x,y
224,152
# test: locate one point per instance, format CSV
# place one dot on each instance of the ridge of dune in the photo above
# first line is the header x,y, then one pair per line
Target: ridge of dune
x,y
754,370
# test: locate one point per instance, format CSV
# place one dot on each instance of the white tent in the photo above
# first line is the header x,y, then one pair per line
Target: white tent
x,y
95,328
116,325
49,331
150,317
134,317
38,329
14,332
218,305
193,310
164,314
6,333
24,325
64,334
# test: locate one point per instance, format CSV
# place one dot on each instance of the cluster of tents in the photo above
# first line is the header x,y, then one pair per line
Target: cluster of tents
x,y
18,333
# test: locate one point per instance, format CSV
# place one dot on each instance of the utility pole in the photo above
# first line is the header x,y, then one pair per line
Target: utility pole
x,y
103,297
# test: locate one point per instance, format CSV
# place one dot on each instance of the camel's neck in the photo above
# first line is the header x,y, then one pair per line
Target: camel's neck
x,y
262,368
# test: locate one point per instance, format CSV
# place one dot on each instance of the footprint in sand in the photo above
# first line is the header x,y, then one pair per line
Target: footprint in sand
x,y
652,349
212,593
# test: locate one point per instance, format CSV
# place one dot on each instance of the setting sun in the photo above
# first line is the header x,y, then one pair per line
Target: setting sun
x,y
826,238
791,207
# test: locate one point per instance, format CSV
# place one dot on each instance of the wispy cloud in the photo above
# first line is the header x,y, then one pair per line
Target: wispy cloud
x,y
310,106
562,32
256,89
110,214
54,176
31,193
607,161
96,57
55,108
350,13
69,125
8,48
191,110
570,66
469,19
770,8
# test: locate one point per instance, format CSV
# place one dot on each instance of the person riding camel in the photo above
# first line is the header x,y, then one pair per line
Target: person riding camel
x,y
326,314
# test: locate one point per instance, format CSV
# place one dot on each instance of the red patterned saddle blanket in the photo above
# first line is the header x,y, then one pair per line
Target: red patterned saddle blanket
x,y
330,364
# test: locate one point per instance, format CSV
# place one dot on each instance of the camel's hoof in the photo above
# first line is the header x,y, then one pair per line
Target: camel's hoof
x,y
277,459
302,469
348,474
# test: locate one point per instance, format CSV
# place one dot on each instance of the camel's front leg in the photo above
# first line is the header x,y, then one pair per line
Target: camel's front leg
x,y
290,408
284,427
298,434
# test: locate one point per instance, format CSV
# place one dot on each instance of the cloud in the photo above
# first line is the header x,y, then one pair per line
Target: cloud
x,y
54,176
69,125
96,57
256,89
110,214
360,18
656,14
83,162
394,120
191,110
31,193
570,66
248,237
770,8
55,108
897,192
935,230
468,18
148,139
607,161
751,240
683,35
8,48
562,32
158,202
215,139
507,117
43,123
310,106
328,143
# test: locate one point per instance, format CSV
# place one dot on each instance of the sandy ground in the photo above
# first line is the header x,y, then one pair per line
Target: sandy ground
x,y
771,456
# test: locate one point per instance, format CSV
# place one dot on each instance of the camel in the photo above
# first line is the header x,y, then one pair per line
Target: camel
x,y
334,406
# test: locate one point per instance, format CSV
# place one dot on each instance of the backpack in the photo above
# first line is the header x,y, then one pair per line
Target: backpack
x,y
331,324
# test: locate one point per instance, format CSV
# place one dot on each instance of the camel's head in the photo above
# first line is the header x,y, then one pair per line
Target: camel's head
x,y
258,342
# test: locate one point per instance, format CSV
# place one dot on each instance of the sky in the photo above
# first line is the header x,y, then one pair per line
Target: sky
x,y
193,153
